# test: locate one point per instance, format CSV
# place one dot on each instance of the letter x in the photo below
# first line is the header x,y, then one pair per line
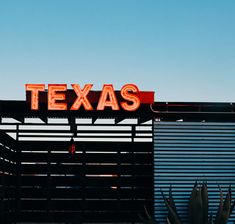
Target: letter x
x,y
82,97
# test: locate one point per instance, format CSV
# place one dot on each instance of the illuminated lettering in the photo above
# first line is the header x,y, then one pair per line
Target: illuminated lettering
x,y
35,89
82,97
108,98
125,93
54,96
58,97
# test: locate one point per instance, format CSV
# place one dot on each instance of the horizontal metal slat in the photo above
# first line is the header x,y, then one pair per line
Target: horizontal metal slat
x,y
87,157
91,193
88,169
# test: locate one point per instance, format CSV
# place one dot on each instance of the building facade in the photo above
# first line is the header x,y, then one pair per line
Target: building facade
x,y
121,163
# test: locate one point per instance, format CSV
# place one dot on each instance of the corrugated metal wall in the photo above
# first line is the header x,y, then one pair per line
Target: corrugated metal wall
x,y
189,151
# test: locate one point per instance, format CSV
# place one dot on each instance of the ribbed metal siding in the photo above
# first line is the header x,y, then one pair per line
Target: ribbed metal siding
x,y
189,151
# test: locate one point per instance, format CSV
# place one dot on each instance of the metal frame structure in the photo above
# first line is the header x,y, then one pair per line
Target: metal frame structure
x,y
110,178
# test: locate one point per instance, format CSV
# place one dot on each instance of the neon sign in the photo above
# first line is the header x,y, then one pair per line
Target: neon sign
x,y
58,97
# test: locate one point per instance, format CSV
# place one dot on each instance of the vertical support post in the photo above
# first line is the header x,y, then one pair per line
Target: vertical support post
x,y
48,186
83,181
119,177
3,186
133,175
152,161
18,176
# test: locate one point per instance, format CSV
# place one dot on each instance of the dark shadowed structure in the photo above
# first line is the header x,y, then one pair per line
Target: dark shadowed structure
x,y
121,159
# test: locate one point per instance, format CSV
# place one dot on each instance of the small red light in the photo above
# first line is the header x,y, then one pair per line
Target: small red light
x,y
72,148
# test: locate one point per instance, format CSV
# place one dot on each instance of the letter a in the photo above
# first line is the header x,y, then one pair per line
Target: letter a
x,y
108,92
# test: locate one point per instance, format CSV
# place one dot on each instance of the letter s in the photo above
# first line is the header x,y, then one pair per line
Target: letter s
x,y
125,92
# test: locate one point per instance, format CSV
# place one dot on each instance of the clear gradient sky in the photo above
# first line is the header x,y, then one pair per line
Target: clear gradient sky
x,y
183,50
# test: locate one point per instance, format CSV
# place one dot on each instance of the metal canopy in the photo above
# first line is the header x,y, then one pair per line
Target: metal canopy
x,y
166,111
109,179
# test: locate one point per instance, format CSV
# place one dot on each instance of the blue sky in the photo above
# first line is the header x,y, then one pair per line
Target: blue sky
x,y
183,50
